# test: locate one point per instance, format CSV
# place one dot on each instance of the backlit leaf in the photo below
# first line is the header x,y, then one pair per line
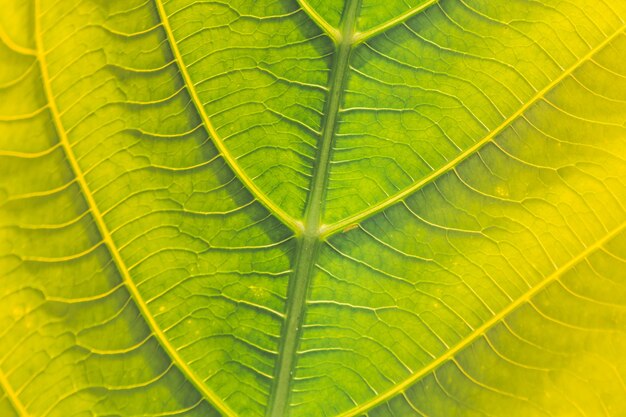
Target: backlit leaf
x,y
313,208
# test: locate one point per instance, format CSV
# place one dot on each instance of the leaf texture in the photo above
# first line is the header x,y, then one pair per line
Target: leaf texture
x,y
312,208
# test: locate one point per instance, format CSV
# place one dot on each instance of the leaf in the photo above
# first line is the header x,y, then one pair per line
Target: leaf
x,y
322,208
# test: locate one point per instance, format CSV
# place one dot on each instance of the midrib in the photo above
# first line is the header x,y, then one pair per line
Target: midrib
x,y
309,240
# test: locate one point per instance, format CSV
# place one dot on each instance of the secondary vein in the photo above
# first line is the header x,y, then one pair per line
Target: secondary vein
x,y
280,214
377,30
309,241
332,32
105,234
12,396
329,230
482,330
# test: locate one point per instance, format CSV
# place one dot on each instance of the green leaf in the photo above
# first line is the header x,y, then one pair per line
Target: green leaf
x,y
312,208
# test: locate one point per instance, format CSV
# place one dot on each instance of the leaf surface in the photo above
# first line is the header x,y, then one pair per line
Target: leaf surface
x,y
312,208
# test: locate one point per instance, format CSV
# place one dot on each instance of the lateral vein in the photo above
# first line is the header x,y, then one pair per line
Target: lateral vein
x,y
481,331
332,32
329,230
377,30
285,218
12,396
106,235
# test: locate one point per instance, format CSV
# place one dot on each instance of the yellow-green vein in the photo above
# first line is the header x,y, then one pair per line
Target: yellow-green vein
x,y
360,37
12,396
328,230
106,235
14,46
289,221
332,32
480,331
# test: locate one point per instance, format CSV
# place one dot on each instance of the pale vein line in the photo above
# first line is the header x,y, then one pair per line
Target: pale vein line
x,y
363,36
480,331
106,236
14,46
12,396
293,224
332,32
331,229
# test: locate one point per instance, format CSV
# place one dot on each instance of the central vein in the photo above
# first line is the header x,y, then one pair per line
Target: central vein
x,y
309,241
